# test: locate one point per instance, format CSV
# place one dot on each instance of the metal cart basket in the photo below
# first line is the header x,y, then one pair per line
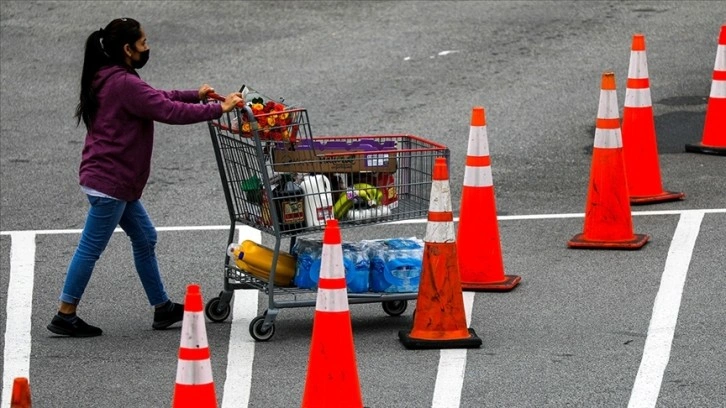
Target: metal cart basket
x,y
265,159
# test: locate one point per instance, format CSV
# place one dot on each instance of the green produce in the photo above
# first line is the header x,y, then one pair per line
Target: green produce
x,y
370,194
360,192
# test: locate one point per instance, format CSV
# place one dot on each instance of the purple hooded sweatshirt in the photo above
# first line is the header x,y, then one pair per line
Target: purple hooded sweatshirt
x,y
116,156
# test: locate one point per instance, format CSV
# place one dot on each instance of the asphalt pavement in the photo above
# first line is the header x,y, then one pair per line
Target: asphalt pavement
x,y
590,328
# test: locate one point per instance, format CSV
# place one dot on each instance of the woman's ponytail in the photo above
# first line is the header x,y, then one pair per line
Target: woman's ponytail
x,y
94,58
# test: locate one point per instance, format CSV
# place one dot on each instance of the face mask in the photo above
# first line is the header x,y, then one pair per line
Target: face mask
x,y
143,59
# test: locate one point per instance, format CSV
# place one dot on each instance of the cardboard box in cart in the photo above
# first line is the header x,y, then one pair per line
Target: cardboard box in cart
x,y
335,157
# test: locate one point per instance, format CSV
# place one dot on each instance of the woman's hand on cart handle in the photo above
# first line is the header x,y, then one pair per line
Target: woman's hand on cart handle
x,y
228,103
204,90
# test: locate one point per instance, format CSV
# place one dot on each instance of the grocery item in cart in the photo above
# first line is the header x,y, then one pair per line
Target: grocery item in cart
x,y
384,181
333,156
395,264
355,263
368,204
387,184
289,201
252,188
256,260
369,214
361,195
273,120
318,199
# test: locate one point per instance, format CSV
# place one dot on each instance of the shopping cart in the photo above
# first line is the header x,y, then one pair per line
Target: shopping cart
x,y
281,180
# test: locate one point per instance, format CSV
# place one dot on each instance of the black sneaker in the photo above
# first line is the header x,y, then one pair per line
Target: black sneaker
x,y
165,316
73,327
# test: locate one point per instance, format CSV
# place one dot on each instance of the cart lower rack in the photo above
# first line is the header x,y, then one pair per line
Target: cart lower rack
x,y
279,179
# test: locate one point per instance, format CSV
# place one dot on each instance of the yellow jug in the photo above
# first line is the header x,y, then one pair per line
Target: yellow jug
x,y
256,260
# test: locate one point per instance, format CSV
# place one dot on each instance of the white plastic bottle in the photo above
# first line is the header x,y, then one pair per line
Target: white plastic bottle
x,y
318,199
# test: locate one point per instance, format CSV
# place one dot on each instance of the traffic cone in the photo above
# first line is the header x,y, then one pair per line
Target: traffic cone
x,y
440,320
478,245
332,376
714,129
640,150
194,384
608,221
21,393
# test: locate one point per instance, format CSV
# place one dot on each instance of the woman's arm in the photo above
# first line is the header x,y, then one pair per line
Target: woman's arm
x,y
187,95
168,107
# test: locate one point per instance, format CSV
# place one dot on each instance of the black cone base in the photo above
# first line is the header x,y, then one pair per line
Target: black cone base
x,y
579,242
509,283
417,344
700,148
663,197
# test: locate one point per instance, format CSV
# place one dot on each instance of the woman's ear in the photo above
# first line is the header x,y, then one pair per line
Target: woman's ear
x,y
127,50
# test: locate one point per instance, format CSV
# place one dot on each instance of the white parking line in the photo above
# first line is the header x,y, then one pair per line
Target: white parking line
x,y
657,348
238,383
452,368
16,356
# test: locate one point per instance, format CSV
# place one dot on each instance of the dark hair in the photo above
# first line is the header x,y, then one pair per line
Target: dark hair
x,y
103,47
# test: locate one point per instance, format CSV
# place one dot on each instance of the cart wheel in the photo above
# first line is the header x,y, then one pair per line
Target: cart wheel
x,y
214,312
394,307
256,329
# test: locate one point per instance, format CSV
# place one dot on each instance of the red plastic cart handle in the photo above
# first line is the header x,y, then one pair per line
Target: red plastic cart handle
x,y
220,98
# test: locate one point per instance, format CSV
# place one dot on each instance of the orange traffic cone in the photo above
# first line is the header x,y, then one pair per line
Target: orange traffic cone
x,y
608,221
440,320
194,384
640,150
21,393
478,246
332,377
714,130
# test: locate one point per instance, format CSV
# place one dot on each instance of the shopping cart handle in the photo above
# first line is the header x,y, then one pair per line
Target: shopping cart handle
x,y
219,97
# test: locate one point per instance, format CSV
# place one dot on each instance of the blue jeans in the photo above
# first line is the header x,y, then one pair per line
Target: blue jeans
x,y
103,217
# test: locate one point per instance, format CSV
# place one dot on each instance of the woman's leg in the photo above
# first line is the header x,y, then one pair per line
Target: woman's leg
x,y
141,231
103,218
138,226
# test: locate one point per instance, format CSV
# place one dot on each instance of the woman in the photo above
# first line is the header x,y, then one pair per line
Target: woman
x,y
118,110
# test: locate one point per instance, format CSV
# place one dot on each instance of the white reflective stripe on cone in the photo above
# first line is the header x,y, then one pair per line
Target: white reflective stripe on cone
x,y
720,64
638,98
718,89
190,372
440,232
332,300
478,144
638,68
332,257
440,196
608,105
608,138
194,334
478,176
